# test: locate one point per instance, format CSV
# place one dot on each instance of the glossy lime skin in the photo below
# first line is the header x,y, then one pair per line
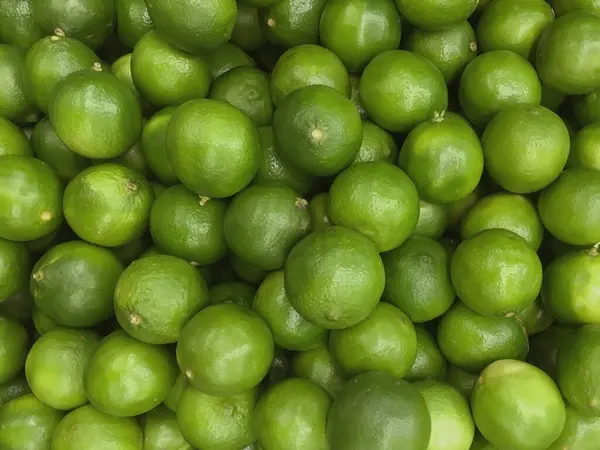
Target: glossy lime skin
x,y
400,89
13,141
133,21
585,148
429,362
154,146
247,32
13,348
227,57
14,268
14,103
18,25
436,14
13,388
236,292
358,30
580,431
161,431
377,145
317,366
587,107
290,23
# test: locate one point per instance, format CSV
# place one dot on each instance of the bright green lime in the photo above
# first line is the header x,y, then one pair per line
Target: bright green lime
x,y
133,21
317,366
429,363
14,268
433,220
436,14
585,148
377,145
13,348
161,431
14,104
291,23
12,140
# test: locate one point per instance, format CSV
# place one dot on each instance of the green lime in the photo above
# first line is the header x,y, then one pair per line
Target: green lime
x,y
433,220
18,306
377,199
552,99
568,54
544,348
156,296
57,384
472,341
95,114
535,318
17,25
580,432
444,157
457,210
355,96
562,7
280,368
375,410
436,14
184,78
494,81
16,387
12,140
450,49
317,366
108,204
513,25
400,89
227,57
585,148
133,21
496,273
334,278
358,30
14,344
291,23
193,26
293,415
172,399
126,377
30,199
525,148
245,271
225,349
161,431
318,129
246,88
27,423
134,159
121,69
318,208
429,363
516,405
567,207
41,322
247,32
462,380
14,104
587,107
217,423
479,443
14,268
236,292
214,148
154,146
87,428
377,145
385,341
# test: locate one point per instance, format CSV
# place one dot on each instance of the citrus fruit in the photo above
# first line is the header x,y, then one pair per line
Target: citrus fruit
x,y
95,114
400,89
433,220
57,384
317,366
14,104
108,204
506,211
27,423
293,415
580,431
18,26
279,370
126,377
290,330
552,99
161,431
121,69
18,306
562,7
86,427
14,268
334,277
418,279
377,199
444,158
452,426
377,145
472,341
217,422
13,141
207,159
245,271
156,296
247,32
567,54
494,81
385,341
455,211
585,151
192,26
13,348
16,387
133,21
225,349
573,195
535,318
544,348
462,380
318,129
355,95
172,399
450,50
587,107
358,30
375,410
496,273
133,159
41,322
290,23
436,14
513,25
154,146
227,57
236,292
30,198
516,405
429,363
318,208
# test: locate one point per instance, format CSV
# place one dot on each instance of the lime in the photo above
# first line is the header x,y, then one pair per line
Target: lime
x,y
280,368
318,208
444,157
236,292
562,7
496,273
17,24
13,388
580,432
156,296
30,198
418,279
108,204
334,278
573,195
217,423
375,410
355,96
174,394
95,114
472,341
14,268
154,146
516,405
193,26
247,32
245,271
400,89
462,380
41,322
545,346
552,99
13,348
513,25
57,384
27,423
377,145
225,349
535,318
126,377
121,69
479,443
317,366
14,104
450,49
494,81
358,30
290,23
88,428
214,148
436,14
587,107
433,220
429,363
377,199
457,210
161,431
246,88
133,21
18,306
184,78
293,415
133,158
318,129
12,140
585,150
385,341
568,54
227,57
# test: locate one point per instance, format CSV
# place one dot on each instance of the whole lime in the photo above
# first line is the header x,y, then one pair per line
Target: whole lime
x,y
13,348
585,150
436,14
